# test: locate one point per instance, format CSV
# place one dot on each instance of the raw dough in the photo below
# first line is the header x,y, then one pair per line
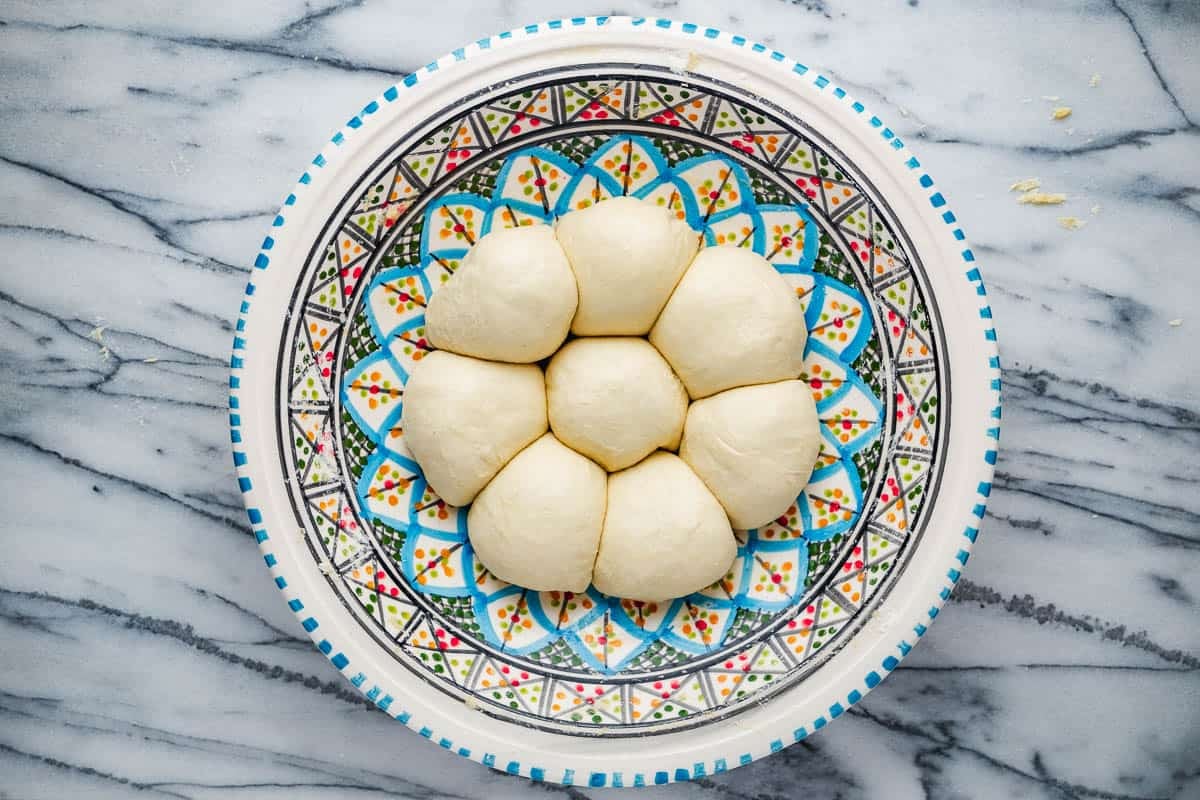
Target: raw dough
x,y
511,299
465,418
732,321
754,447
627,255
665,535
537,524
614,399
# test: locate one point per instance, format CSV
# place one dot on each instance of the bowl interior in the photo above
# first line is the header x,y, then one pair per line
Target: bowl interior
x,y
740,172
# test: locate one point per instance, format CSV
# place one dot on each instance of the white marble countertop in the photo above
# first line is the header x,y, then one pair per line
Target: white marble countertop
x,y
143,151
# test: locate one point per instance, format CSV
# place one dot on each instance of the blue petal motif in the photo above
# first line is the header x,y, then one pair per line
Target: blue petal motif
x,y
833,496
446,216
379,420
699,624
423,502
374,504
826,317
386,312
527,196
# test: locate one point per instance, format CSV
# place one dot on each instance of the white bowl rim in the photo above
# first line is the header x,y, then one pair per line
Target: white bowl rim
x,y
952,520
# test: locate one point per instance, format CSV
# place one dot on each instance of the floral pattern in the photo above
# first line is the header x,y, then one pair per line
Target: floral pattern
x,y
740,178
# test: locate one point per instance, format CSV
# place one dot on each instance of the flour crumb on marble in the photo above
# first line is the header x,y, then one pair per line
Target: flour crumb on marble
x,y
1094,81
1071,223
1060,112
1042,199
150,360
1051,98
1095,210
1026,185
1175,323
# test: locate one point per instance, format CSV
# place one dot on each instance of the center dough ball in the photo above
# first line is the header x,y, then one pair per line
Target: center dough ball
x,y
627,255
615,400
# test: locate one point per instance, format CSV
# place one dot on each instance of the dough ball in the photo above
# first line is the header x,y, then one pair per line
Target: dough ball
x,y
614,399
754,448
464,419
627,255
511,299
732,321
537,524
665,535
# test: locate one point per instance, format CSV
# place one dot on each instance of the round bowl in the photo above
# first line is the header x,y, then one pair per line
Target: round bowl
x,y
754,150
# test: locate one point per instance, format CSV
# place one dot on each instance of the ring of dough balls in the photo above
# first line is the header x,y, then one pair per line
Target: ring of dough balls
x,y
628,255
512,298
464,418
598,499
526,534
732,321
769,431
614,399
665,535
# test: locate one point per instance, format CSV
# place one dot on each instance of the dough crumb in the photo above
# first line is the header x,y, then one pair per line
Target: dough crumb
x,y
1042,199
1094,81
1071,223
97,333
1175,323
150,360
1061,112
1053,98
1026,185
1095,210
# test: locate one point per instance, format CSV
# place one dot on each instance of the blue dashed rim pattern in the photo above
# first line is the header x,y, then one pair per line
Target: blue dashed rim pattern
x,y
985,349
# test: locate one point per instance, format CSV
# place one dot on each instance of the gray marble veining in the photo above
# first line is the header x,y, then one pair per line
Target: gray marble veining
x,y
143,150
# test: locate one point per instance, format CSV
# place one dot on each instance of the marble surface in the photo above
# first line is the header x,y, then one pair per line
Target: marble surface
x,y
143,151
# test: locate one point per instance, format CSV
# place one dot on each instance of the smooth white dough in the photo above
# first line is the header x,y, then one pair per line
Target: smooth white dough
x,y
665,535
511,299
614,399
627,255
732,321
754,447
537,523
464,419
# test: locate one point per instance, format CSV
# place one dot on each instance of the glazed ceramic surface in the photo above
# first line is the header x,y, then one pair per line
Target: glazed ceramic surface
x,y
524,129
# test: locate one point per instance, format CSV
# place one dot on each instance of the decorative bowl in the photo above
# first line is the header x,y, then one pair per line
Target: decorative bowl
x,y
754,150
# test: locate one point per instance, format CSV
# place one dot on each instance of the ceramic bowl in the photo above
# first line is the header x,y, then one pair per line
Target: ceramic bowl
x,y
754,150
